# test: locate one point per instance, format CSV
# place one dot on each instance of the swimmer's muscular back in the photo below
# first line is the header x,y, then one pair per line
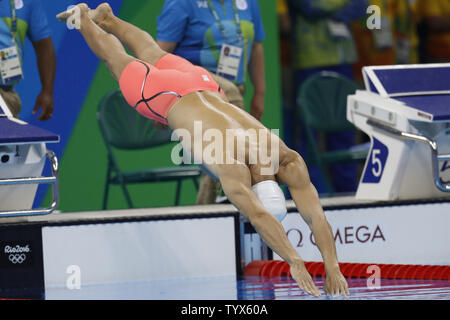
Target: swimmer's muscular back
x,y
213,112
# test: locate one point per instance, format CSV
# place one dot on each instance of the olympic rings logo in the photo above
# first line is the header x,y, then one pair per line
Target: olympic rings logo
x,y
17,258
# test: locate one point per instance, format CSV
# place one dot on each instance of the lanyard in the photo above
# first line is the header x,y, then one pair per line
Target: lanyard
x,y
237,20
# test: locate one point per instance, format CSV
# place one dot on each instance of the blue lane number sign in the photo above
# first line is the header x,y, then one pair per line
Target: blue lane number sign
x,y
377,162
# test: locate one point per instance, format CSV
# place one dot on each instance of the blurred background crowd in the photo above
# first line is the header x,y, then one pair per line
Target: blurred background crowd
x,y
343,36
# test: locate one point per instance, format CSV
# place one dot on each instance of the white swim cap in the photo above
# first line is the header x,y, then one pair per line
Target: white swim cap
x,y
272,197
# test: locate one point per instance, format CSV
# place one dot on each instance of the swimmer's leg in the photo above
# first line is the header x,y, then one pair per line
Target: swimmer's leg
x,y
139,42
294,173
236,182
105,46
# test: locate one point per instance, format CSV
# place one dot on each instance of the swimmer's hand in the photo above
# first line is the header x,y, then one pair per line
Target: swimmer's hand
x,y
303,278
335,284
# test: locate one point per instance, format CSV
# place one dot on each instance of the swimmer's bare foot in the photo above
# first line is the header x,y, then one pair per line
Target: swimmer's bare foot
x,y
64,16
101,14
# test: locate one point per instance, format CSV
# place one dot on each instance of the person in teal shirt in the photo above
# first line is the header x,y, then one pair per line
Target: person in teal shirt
x,y
21,19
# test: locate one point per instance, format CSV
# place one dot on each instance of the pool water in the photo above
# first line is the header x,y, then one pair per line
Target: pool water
x,y
250,288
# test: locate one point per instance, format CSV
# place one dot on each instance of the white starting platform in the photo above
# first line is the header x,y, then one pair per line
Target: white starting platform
x,y
23,154
405,110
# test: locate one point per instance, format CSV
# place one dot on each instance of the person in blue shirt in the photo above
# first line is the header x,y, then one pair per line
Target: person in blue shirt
x,y
225,37
198,30
21,19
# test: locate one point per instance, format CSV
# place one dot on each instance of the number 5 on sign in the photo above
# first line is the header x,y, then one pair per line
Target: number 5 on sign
x,y
377,162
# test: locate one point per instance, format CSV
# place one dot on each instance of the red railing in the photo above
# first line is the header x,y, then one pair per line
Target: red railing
x,y
275,268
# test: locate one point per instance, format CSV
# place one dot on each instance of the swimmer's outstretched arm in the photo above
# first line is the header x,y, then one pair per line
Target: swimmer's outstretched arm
x,y
236,183
294,173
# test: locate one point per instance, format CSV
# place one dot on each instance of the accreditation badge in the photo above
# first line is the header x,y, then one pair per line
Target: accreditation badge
x,y
10,66
230,61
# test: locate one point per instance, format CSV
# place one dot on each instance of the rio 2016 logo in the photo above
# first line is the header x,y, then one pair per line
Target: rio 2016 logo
x,y
17,254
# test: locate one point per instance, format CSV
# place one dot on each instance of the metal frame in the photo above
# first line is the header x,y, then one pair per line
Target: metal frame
x,y
54,181
435,157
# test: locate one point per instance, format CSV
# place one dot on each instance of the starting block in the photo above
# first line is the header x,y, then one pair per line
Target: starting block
x,y
23,154
405,110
